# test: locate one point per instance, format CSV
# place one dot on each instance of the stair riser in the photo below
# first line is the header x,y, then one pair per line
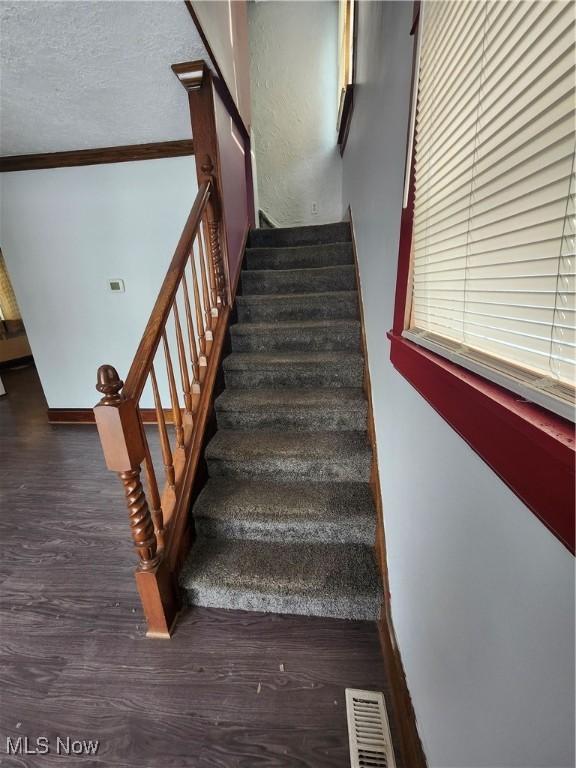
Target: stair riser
x,y
311,308
337,532
330,233
296,376
300,258
299,420
358,608
354,469
298,340
298,281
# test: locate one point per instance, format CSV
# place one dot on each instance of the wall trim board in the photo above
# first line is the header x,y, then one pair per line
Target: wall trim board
x,y
98,156
86,416
218,79
410,743
236,278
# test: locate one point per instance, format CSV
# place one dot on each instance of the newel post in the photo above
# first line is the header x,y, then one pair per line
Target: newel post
x,y
196,78
122,442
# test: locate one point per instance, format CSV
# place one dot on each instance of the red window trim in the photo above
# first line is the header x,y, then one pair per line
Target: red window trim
x,y
529,448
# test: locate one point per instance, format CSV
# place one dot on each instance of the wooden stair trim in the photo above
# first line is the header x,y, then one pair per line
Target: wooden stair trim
x,y
411,745
98,156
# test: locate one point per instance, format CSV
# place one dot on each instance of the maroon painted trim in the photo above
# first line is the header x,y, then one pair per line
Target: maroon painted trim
x,y
404,260
529,448
407,219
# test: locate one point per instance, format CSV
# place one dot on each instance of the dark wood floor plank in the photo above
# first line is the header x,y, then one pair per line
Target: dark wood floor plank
x,y
231,689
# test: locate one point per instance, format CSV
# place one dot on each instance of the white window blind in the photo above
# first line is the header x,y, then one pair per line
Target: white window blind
x,y
493,270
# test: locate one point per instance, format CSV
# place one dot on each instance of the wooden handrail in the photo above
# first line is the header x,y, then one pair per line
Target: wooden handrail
x,y
194,302
158,519
140,368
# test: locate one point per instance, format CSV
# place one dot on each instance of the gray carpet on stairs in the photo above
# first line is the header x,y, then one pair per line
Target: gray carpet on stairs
x,y
286,521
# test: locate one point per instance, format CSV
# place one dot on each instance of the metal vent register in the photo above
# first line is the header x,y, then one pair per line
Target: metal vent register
x,y
368,730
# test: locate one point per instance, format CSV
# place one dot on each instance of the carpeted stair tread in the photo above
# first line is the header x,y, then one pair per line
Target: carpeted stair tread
x,y
311,280
293,369
275,511
286,520
295,335
300,256
246,399
338,580
331,305
294,409
338,232
301,456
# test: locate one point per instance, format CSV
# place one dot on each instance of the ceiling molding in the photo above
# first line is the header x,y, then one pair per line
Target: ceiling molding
x,y
123,154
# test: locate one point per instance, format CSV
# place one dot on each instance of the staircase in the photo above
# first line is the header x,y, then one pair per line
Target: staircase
x,y
286,521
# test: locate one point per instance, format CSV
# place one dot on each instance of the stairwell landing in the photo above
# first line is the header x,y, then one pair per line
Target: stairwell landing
x,y
286,521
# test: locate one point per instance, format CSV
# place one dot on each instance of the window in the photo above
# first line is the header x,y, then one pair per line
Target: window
x,y
346,63
493,233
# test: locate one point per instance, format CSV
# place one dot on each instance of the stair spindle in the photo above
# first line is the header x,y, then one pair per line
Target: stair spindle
x,y
195,389
173,393
216,253
182,361
155,503
210,309
214,220
202,358
164,439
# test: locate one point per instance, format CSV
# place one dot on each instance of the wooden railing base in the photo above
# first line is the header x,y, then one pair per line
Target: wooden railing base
x,y
160,601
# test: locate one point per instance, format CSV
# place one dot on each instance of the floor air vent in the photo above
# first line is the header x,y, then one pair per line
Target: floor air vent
x,y
368,730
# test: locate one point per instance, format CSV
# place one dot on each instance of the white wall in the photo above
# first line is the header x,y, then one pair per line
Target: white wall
x,y
63,233
294,84
482,593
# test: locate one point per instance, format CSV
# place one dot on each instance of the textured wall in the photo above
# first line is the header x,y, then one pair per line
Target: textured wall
x,y
294,79
77,75
64,233
482,593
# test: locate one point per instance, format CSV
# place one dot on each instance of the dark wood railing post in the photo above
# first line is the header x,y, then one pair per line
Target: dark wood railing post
x,y
196,78
122,441
214,219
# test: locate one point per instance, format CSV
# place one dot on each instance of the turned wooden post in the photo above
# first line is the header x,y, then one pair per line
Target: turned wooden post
x,y
214,221
123,445
196,78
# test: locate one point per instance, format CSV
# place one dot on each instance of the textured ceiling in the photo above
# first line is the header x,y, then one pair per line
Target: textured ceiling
x,y
77,75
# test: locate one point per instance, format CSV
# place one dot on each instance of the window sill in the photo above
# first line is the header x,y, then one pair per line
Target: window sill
x,y
531,449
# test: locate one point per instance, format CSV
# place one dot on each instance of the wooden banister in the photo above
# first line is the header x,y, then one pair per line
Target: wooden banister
x,y
191,313
158,521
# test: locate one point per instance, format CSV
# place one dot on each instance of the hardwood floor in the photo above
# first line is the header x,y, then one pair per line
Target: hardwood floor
x,y
230,689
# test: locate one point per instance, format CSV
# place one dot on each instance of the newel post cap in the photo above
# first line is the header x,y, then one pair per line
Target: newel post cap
x,y
109,384
118,423
191,73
